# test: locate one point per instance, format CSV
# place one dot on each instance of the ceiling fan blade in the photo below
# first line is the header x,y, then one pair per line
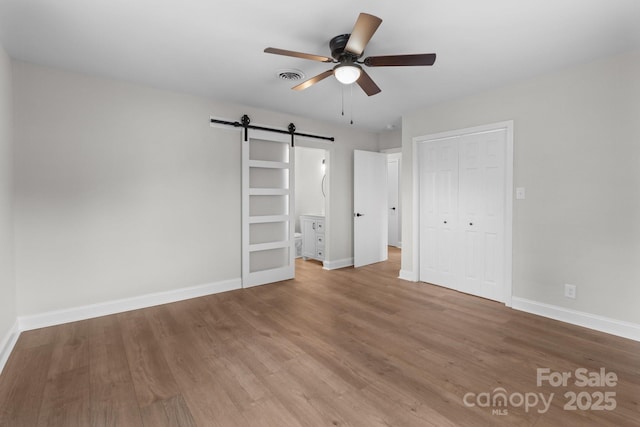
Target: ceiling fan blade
x,y
313,80
400,60
367,84
365,27
297,54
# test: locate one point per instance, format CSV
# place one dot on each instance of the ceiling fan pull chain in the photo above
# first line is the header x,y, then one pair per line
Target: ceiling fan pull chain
x,y
342,89
351,103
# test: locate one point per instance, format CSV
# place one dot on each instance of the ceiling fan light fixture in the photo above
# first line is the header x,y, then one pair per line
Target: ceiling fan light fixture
x,y
347,73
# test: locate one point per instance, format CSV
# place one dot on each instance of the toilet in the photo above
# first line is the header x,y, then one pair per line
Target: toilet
x,y
298,241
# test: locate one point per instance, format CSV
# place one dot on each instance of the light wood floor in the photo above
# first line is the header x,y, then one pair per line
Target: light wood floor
x,y
346,347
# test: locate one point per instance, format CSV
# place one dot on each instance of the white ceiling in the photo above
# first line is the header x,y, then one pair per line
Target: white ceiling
x,y
215,48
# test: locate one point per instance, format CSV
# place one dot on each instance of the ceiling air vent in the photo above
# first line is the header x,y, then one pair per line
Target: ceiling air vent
x,y
290,75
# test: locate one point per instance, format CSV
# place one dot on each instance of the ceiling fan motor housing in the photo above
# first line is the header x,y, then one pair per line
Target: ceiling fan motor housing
x,y
337,45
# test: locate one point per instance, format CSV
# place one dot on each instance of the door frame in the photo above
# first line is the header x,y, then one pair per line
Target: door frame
x,y
508,223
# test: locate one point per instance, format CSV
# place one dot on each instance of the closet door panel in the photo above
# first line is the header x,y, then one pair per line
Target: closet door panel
x,y
482,212
439,211
428,212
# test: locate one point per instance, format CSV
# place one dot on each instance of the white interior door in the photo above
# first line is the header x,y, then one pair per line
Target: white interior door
x,y
482,213
463,212
438,211
370,221
268,246
393,174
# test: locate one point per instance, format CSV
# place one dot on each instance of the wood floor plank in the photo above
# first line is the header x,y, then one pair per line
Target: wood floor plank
x,y
22,385
186,360
242,390
150,372
210,405
178,412
36,338
154,415
319,379
71,348
171,412
295,397
271,413
65,400
357,411
113,397
350,347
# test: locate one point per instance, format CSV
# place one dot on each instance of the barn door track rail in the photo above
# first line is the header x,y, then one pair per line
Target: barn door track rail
x,y
291,130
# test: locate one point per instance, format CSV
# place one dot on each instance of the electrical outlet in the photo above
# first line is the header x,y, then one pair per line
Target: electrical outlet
x,y
570,291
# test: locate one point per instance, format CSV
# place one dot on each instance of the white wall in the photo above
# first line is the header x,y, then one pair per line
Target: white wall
x,y
309,173
577,153
389,139
123,190
7,280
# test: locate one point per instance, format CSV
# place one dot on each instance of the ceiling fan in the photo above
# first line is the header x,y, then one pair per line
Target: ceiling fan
x,y
346,51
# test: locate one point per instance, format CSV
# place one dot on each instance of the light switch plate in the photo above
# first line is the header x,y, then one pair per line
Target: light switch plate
x,y
520,193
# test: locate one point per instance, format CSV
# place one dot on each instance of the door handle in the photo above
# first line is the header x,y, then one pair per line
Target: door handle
x,y
359,214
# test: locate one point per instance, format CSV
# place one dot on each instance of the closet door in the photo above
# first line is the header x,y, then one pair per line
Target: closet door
x,y
462,192
268,246
438,161
482,213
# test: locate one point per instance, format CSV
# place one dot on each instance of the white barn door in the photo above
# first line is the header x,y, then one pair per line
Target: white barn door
x,y
268,247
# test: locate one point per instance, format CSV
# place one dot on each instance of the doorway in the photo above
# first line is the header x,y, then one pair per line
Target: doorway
x,y
377,206
394,170
311,194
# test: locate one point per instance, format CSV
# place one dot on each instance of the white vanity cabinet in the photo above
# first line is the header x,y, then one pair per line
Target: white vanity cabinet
x,y
312,227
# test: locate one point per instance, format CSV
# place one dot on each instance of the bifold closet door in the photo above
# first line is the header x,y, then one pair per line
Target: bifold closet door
x,y
462,208
482,213
438,211
268,246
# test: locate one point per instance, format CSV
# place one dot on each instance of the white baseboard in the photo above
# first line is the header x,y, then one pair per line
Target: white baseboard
x,y
407,275
7,344
611,326
341,263
75,314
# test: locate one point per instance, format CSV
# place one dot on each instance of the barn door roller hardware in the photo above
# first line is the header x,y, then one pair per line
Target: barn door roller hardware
x,y
291,130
